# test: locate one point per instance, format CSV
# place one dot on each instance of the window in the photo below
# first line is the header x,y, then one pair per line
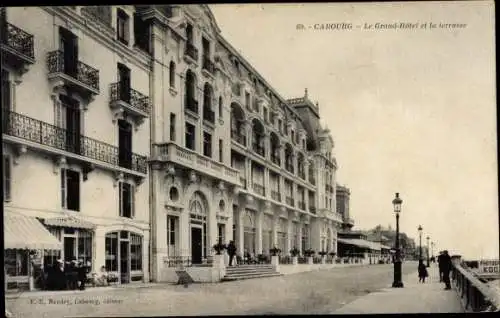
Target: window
x,y
111,252
293,136
85,246
207,144
171,226
172,74
190,136
69,46
124,83
141,33
70,189
247,100
126,200
16,262
172,127
124,144
221,231
265,115
206,47
135,252
122,26
7,178
189,33
280,125
221,152
220,107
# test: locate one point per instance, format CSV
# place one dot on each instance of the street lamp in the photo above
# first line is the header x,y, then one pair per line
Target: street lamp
x,y
432,249
428,251
420,229
397,261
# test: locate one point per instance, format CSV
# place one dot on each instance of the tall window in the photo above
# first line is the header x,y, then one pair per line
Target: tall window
x,y
172,74
171,234
221,151
220,107
124,144
85,246
172,127
142,33
190,136
207,144
206,47
221,233
69,47
122,26
135,252
70,190
111,252
124,83
16,262
189,33
247,100
126,199
7,178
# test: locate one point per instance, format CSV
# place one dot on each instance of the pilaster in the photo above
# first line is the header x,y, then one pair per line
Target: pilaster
x,y
274,237
240,230
289,237
258,231
267,188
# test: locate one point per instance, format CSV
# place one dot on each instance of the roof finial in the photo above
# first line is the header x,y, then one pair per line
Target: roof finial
x,y
305,92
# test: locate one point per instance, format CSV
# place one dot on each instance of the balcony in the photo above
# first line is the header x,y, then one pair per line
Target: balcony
x,y
208,66
17,48
191,53
276,196
209,115
258,149
243,182
46,137
334,216
129,102
170,152
302,205
192,106
259,189
312,209
239,138
80,77
290,201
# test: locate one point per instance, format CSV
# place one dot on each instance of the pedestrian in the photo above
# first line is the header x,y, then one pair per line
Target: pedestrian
x,y
440,265
422,271
82,274
446,261
231,250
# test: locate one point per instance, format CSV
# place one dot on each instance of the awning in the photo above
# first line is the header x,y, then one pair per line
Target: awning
x,y
69,221
385,247
23,232
360,243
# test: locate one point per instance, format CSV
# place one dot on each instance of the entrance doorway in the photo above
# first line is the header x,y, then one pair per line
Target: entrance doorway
x,y
124,262
69,249
196,244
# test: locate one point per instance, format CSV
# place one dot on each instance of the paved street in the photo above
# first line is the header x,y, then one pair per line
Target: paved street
x,y
317,292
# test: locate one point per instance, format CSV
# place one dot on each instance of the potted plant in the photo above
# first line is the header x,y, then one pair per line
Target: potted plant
x,y
218,260
275,251
219,248
295,253
323,256
309,253
333,254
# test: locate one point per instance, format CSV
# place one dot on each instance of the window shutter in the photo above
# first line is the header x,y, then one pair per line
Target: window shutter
x,y
63,188
6,178
132,201
120,199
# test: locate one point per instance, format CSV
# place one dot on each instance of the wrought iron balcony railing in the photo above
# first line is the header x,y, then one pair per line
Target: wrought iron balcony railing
x,y
209,115
290,201
258,149
133,97
312,209
208,65
192,105
276,195
82,72
302,205
40,132
239,138
18,40
191,51
259,189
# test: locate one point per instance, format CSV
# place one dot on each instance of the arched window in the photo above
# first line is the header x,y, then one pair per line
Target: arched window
x,y
220,107
172,74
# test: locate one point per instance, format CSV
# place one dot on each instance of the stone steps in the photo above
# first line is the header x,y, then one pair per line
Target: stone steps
x,y
249,271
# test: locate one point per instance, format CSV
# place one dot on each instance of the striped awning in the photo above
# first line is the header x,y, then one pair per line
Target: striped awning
x,y
361,243
69,221
23,232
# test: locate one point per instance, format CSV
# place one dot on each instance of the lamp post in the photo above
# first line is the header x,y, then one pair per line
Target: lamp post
x,y
432,249
420,229
398,283
428,251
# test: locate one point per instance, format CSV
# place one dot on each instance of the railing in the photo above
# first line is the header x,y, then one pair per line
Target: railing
x,y
302,205
192,105
84,73
289,201
19,40
209,115
34,130
476,295
312,209
243,182
239,138
134,98
258,149
179,261
259,189
275,195
208,65
191,51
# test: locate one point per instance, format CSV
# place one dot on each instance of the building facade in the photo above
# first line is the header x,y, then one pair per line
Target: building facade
x,y
75,138
153,139
343,198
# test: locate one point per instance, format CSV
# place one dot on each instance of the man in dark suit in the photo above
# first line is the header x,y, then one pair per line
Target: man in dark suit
x,y
446,261
440,264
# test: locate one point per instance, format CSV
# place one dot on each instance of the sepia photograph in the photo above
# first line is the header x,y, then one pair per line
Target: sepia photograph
x,y
249,159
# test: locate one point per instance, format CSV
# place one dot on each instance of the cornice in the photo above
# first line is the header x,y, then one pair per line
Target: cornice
x,y
102,35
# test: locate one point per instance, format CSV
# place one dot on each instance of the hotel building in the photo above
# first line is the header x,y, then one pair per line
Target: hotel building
x,y
138,138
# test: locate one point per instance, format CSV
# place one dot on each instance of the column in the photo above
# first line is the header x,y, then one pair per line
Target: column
x,y
281,181
299,236
248,173
212,226
99,249
306,199
267,187
258,232
295,194
281,151
274,238
306,169
248,125
240,230
289,242
145,257
315,234
158,235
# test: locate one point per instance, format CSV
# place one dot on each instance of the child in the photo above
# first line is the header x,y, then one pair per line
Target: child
x,y
422,271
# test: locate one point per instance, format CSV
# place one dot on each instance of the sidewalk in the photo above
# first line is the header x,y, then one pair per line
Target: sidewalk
x,y
415,297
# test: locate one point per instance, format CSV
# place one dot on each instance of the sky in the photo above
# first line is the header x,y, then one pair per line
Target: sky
x,y
410,110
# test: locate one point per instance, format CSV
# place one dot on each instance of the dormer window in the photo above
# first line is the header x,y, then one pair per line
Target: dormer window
x,y
122,26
